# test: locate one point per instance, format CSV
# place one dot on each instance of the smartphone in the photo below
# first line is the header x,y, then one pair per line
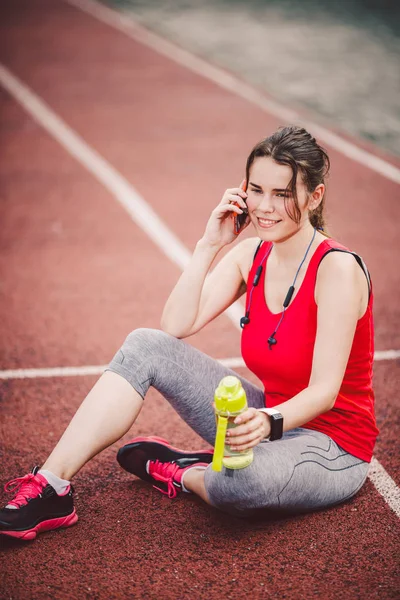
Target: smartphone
x,y
239,220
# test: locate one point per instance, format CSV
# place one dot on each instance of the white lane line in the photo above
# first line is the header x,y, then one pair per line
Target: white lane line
x,y
52,372
222,78
386,354
137,208
385,485
234,362
231,363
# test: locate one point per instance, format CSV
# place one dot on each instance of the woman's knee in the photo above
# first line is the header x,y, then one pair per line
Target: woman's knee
x,y
144,341
140,346
138,357
145,336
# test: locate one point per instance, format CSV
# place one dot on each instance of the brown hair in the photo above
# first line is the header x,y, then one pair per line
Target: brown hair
x,y
295,147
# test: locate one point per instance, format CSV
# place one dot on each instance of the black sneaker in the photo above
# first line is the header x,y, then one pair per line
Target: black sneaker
x,y
153,459
38,507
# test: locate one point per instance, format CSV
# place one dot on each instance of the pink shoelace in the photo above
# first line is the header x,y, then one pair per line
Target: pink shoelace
x,y
25,487
164,472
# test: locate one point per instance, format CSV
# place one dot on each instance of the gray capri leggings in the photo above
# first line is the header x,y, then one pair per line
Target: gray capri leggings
x,y
305,470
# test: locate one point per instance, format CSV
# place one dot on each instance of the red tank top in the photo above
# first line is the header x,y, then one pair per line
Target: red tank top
x,y
286,369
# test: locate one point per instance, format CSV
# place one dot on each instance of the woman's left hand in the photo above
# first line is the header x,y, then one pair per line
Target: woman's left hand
x,y
252,427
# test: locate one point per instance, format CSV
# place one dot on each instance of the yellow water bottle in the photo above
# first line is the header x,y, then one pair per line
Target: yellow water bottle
x,y
230,401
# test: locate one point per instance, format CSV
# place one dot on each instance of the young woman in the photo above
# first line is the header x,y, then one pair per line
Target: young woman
x,y
307,334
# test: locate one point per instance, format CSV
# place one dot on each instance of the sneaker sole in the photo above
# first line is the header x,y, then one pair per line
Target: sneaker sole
x,y
30,534
134,455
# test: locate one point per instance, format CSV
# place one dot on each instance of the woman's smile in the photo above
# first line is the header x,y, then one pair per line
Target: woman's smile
x,y
267,223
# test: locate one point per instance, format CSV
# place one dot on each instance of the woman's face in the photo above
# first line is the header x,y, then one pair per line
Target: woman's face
x,y
267,196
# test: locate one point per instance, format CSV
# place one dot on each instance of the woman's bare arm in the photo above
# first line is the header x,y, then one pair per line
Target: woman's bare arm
x,y
197,299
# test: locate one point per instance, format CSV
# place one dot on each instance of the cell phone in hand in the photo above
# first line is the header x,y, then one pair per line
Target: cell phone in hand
x,y
239,220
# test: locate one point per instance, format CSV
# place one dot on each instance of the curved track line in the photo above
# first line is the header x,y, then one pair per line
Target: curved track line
x,y
128,26
137,208
385,485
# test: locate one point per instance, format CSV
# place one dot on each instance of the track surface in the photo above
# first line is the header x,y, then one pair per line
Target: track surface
x,y
78,275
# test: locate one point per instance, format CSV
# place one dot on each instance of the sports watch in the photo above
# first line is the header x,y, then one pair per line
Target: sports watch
x,y
276,420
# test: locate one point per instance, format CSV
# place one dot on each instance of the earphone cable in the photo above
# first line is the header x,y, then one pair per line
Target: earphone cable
x,y
271,340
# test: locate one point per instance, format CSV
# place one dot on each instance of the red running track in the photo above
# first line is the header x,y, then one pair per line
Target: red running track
x,y
78,275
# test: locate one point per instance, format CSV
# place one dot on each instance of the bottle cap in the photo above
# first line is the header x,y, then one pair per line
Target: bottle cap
x,y
230,396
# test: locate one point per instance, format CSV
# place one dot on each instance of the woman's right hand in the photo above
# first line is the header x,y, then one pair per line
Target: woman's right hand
x,y
219,230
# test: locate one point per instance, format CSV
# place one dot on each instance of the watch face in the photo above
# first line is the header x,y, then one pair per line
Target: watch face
x,y
277,417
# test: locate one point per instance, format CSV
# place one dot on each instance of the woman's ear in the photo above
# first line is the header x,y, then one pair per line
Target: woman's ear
x,y
315,198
